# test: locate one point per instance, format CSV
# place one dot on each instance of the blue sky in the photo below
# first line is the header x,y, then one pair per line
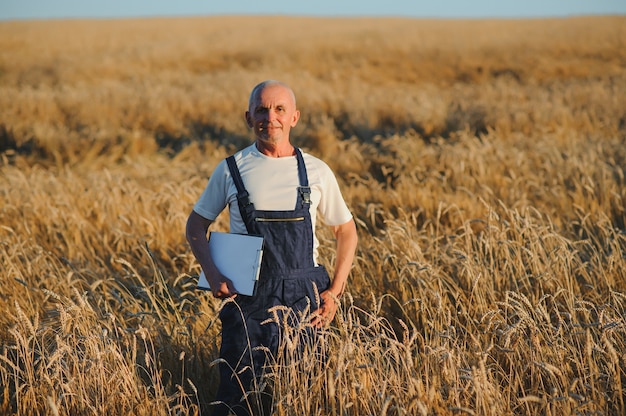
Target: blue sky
x,y
54,9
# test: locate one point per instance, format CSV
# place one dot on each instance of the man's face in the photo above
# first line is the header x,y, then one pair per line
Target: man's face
x,y
272,114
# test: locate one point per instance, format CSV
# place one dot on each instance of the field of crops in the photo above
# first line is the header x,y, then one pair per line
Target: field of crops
x,y
484,162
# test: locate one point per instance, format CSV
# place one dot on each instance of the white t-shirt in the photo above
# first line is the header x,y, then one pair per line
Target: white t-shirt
x,y
272,184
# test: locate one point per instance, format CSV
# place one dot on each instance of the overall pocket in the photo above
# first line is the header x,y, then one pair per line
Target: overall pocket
x,y
303,288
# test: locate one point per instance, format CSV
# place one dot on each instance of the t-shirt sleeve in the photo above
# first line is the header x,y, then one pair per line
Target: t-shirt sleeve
x,y
332,206
214,198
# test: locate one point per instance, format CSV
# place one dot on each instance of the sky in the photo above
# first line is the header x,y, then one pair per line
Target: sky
x,y
80,9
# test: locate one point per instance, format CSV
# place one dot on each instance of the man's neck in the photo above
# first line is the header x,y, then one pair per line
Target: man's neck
x,y
275,150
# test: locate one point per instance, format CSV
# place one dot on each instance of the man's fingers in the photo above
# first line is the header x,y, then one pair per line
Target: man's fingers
x,y
226,290
321,317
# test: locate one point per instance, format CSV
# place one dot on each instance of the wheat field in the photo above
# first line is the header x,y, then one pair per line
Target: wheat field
x,y
484,162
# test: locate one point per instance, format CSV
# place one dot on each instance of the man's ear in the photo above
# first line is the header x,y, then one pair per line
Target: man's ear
x,y
248,119
296,117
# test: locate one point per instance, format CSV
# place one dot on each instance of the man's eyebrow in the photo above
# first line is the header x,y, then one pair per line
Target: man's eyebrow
x,y
279,104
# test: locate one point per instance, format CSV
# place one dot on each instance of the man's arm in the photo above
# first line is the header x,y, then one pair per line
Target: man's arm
x,y
347,240
197,227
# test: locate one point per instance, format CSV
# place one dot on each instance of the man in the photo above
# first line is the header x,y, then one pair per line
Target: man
x,y
271,189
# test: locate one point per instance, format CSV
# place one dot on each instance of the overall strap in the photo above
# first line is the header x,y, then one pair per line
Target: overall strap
x,y
304,189
246,207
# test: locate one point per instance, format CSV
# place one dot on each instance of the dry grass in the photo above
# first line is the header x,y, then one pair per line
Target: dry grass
x,y
484,162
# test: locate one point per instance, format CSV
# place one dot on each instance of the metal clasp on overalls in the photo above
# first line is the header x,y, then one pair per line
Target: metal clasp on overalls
x,y
305,192
243,198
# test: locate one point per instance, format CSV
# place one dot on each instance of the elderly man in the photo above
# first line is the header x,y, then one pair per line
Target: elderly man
x,y
275,190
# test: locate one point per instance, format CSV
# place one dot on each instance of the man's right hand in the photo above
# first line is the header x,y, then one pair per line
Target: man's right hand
x,y
224,289
197,227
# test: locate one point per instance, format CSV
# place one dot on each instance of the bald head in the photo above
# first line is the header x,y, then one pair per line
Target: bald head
x,y
256,91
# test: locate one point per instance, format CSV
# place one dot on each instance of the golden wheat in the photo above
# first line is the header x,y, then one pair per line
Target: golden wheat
x,y
483,162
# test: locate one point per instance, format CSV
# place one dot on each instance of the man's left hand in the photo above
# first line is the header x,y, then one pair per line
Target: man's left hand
x,y
325,314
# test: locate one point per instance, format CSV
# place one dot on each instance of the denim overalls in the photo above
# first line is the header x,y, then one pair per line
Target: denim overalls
x,y
288,278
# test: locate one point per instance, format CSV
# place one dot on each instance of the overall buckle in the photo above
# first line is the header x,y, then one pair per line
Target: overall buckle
x,y
305,193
